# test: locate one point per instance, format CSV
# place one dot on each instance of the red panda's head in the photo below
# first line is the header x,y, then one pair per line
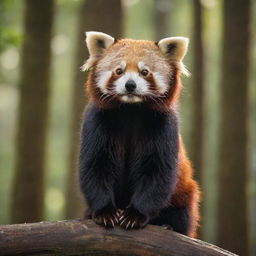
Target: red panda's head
x,y
134,71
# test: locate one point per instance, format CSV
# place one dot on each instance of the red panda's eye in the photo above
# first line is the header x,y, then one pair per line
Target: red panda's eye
x,y
144,72
119,71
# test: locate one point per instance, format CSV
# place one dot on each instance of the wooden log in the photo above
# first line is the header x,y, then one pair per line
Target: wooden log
x,y
76,237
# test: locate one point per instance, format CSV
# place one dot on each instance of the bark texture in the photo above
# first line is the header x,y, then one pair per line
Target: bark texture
x,y
76,237
103,16
232,215
28,189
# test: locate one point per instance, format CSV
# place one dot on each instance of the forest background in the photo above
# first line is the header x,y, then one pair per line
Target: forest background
x,y
42,97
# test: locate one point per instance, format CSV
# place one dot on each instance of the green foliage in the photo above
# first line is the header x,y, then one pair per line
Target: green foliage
x,y
9,36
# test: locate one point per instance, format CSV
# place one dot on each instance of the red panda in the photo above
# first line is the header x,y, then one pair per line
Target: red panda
x,y
133,166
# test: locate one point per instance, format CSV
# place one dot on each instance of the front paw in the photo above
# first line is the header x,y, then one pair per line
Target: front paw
x,y
107,217
131,218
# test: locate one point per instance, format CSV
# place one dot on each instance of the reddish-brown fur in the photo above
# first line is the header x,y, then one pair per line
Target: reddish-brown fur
x,y
187,190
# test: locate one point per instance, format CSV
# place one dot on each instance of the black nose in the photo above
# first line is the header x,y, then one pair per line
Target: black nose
x,y
130,86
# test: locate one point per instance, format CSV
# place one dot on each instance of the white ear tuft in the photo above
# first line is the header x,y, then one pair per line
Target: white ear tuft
x,y
174,48
97,43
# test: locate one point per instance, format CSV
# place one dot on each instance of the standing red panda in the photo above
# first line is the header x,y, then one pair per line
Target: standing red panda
x,y
133,165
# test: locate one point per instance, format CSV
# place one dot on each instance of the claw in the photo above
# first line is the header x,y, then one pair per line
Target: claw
x,y
133,224
123,221
116,219
123,216
105,221
127,226
113,224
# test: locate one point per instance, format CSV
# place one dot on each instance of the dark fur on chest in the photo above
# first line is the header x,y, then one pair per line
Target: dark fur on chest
x,y
127,154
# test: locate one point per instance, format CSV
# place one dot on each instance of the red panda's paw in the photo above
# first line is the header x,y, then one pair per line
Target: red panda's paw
x,y
107,217
132,219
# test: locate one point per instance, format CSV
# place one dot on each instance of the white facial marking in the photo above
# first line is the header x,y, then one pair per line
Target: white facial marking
x,y
131,99
123,65
141,84
142,65
103,80
161,83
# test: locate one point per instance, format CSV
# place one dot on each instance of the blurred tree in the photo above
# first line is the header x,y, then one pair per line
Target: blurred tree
x,y
161,17
198,91
28,188
232,212
212,28
197,132
97,15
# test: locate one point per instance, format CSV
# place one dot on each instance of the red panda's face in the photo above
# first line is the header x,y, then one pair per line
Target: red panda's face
x,y
131,71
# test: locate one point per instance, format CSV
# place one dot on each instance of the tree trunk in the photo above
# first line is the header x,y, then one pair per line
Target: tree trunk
x,y
232,213
94,15
28,189
198,94
76,237
161,18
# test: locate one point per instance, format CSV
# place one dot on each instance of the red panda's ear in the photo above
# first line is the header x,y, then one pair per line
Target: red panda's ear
x,y
97,43
174,48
